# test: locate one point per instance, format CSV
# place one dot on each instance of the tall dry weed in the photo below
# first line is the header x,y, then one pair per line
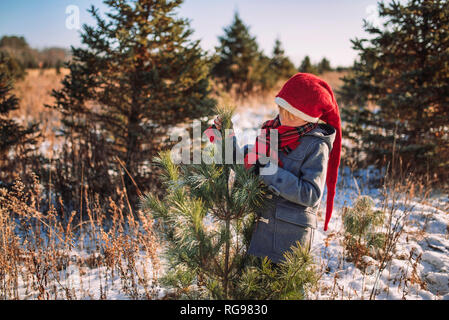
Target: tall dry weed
x,y
46,252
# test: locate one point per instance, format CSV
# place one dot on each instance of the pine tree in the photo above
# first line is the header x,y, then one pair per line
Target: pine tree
x,y
362,224
263,76
396,104
289,280
307,66
270,70
324,66
13,136
136,75
238,58
280,66
207,217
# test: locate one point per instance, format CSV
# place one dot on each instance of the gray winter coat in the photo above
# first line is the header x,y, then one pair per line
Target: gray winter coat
x,y
297,190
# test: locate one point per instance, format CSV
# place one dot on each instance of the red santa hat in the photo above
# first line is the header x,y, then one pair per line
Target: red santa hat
x,y
312,99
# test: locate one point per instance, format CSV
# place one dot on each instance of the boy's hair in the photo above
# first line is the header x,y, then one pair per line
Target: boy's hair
x,y
287,115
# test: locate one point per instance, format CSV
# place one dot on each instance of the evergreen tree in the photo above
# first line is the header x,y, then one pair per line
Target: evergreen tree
x,y
13,136
269,71
263,77
280,67
396,101
324,66
362,224
207,217
137,74
280,62
239,59
307,66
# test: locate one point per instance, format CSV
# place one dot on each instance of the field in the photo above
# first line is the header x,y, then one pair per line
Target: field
x,y
35,90
112,255
34,93
419,265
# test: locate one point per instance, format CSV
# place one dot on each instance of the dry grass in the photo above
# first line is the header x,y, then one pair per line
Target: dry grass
x,y
334,78
398,201
399,205
47,253
34,93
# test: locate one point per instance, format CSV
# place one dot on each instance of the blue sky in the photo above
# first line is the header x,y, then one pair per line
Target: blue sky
x,y
318,28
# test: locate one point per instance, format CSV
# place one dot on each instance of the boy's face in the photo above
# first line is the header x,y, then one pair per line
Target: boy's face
x,y
290,120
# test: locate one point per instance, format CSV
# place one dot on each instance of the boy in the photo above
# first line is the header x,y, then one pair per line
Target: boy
x,y
308,157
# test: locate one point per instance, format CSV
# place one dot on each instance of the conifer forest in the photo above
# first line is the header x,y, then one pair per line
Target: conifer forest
x,y
96,202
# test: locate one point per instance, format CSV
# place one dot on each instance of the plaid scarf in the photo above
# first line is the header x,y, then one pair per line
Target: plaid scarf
x,y
288,140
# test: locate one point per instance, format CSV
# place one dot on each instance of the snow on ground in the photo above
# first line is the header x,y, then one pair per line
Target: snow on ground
x,y
81,281
420,267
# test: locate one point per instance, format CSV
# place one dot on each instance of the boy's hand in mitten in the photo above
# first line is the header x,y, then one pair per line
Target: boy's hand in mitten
x,y
217,123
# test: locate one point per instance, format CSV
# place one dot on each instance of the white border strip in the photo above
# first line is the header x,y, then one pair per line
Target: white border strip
x,y
284,104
